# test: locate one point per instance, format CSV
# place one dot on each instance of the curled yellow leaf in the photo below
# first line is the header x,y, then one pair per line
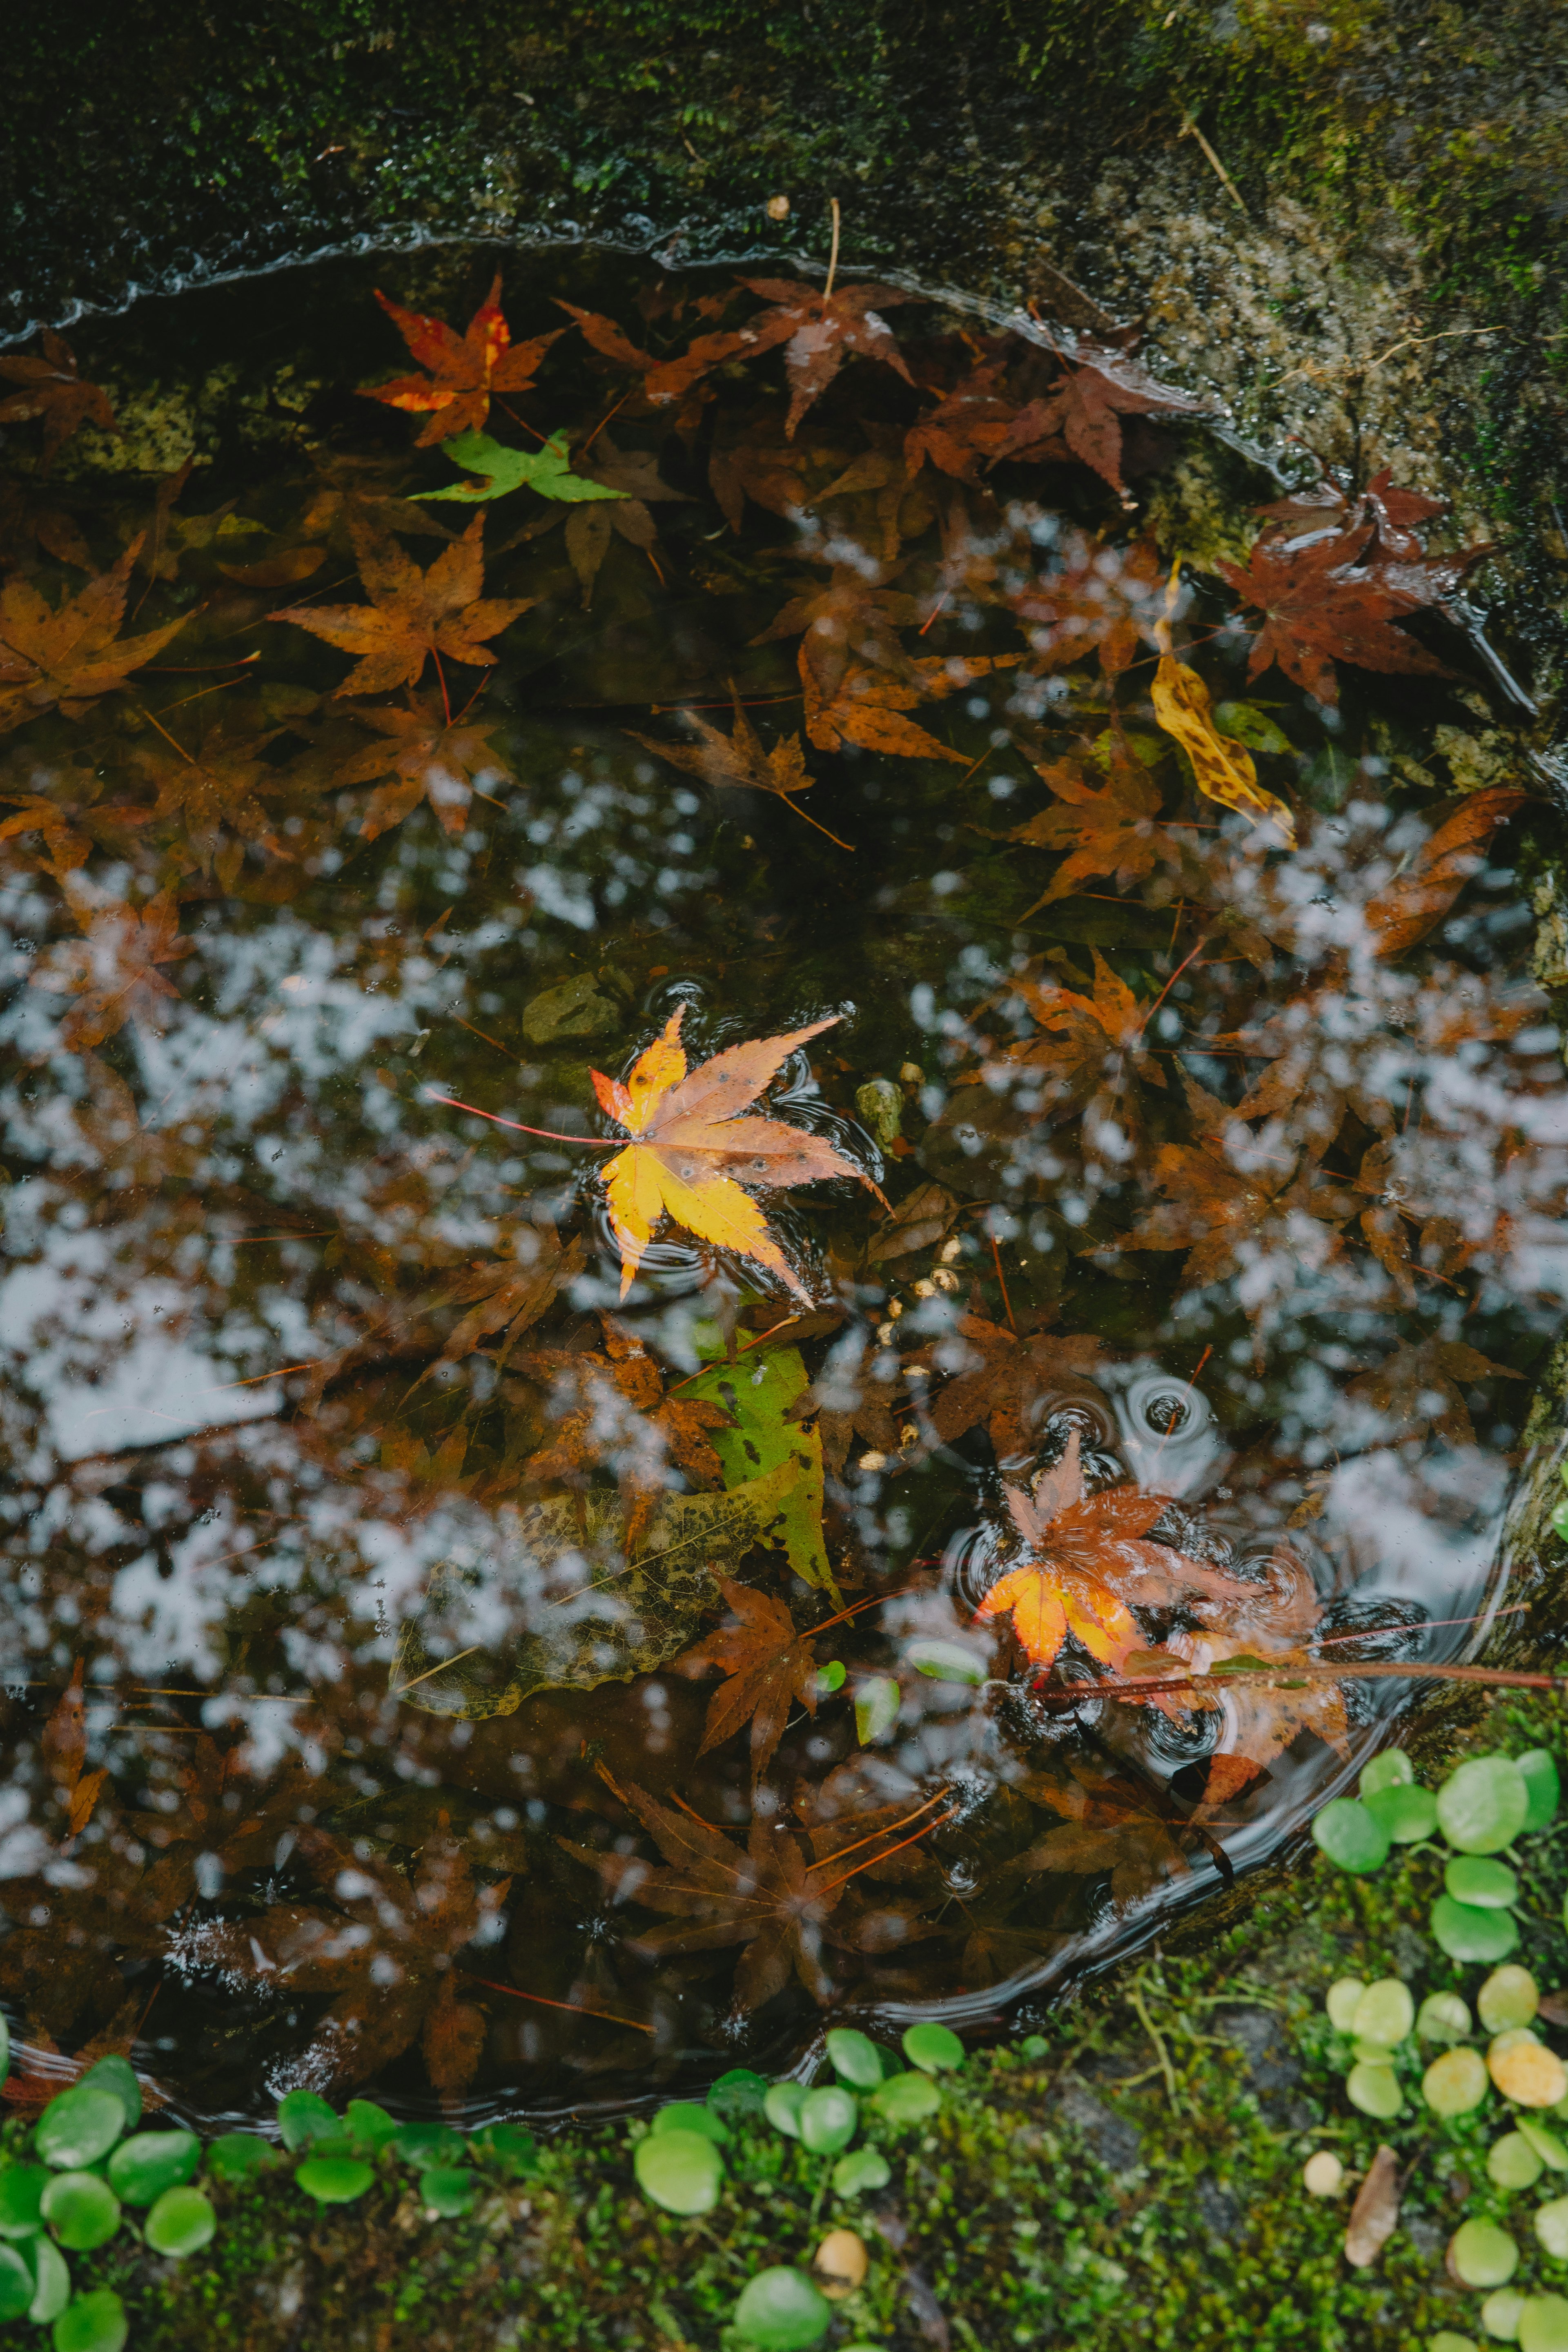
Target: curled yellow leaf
x,y
1223,767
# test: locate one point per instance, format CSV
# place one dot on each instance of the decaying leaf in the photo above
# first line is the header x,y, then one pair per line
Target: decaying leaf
x,y
1100,386
819,331
64,1750
116,972
1418,1387
433,758
1416,899
999,1377
1111,828
465,369
1374,2215
734,758
768,1666
557,1606
1222,768
692,1153
412,615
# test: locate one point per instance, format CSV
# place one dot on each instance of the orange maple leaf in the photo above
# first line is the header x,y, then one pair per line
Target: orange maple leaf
x,y
432,759
1077,1545
52,388
411,613
688,1137
465,369
114,970
867,707
69,657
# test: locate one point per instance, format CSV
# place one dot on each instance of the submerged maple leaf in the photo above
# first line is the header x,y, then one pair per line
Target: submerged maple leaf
x,y
692,1153
465,369
1418,1387
1100,598
999,1377
671,378
739,759
433,757
820,330
1110,1824
412,615
1111,828
768,1664
1403,912
63,1747
1078,1548
1100,385
1087,1053
114,970
52,388
69,657
868,708
776,1895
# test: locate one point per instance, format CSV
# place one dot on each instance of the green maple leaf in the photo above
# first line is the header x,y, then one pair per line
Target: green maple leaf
x,y
545,470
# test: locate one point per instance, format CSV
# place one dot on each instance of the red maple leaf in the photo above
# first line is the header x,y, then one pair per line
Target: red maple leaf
x,y
465,369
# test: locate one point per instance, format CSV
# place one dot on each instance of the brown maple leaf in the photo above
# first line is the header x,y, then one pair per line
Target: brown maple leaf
x,y
1419,896
41,2073
1336,598
1086,1053
768,1665
776,1895
1398,514
632,473
999,1377
1416,1389
1261,1716
1111,1825
612,1409
669,378
412,615
974,425
69,657
465,370
1083,1557
1098,598
691,1155
51,388
115,969
434,759
819,331
751,459
224,784
510,1294
1111,828
739,759
856,615
1100,386
867,705
384,1952
848,1400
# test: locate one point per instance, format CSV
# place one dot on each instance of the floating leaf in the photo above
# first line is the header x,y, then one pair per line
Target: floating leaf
x,y
547,469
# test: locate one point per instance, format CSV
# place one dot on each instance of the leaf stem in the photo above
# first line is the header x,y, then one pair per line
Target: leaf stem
x,y
833,256
578,2008
593,1142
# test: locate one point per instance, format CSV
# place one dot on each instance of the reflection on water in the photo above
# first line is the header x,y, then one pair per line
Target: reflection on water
x,y
423,1665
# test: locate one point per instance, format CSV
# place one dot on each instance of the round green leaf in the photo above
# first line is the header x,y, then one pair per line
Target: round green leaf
x,y
1392,1770
142,2167
93,2323
21,2185
934,2049
1481,2254
78,2127
1468,1933
831,1677
906,2099
181,2222
425,2144
782,2107
944,1662
1375,2090
1482,1806
1341,2001
1538,1770
681,2170
233,2155
507,2145
1543,2324
16,2284
1454,2083
1443,2017
854,2058
334,2179
1499,2315
1477,1878
1510,1998
82,2210
1384,2012
117,2074
1350,1835
827,2119
369,2125
1403,1814
1513,2163
304,2117
448,2190
781,2310
738,2092
876,1705
52,2291
1551,2228
860,2173
686,2115
1552,2151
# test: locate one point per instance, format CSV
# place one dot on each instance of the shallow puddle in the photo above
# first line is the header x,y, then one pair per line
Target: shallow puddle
x,y
452,1646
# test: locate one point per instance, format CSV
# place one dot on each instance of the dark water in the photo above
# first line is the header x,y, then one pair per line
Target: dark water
x,y
328,1431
